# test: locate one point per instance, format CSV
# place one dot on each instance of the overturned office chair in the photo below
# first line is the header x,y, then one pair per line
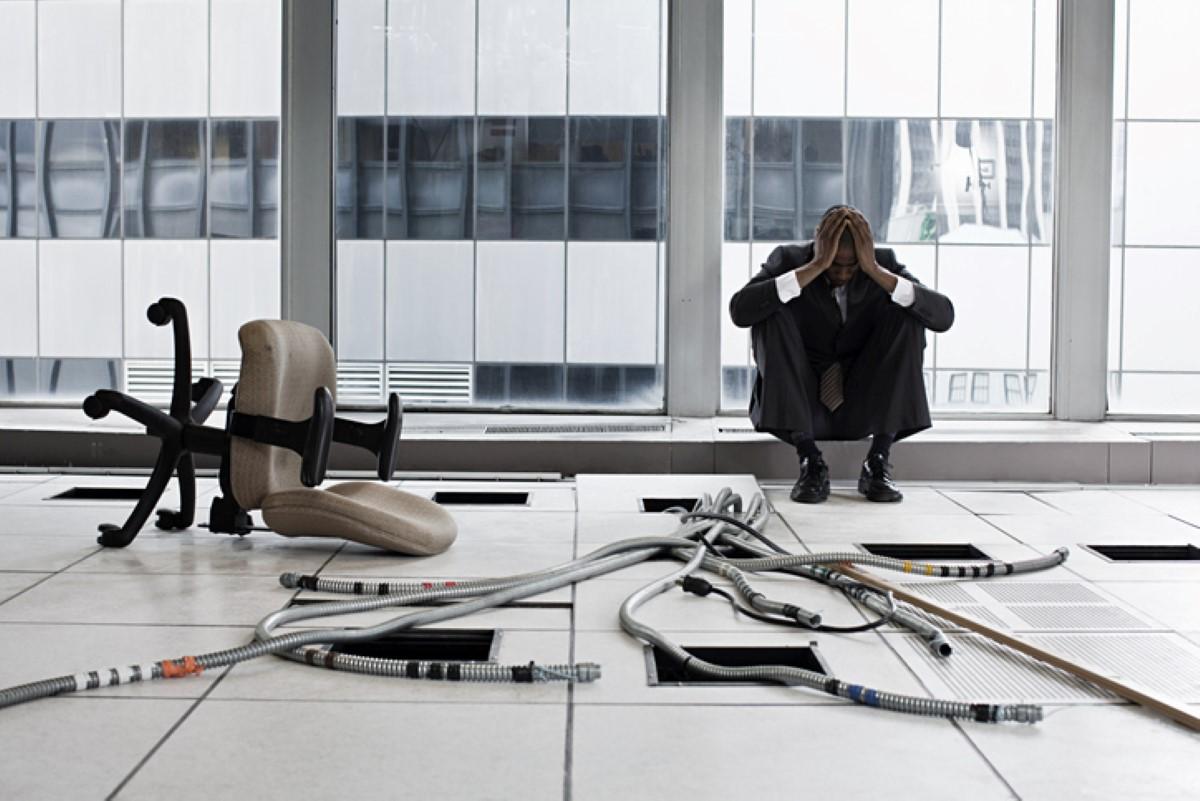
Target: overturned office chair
x,y
274,449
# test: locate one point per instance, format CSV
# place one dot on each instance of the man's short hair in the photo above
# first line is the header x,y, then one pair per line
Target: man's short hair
x,y
832,209
847,238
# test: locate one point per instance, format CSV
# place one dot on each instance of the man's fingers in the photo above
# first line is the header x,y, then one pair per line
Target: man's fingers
x,y
862,222
855,229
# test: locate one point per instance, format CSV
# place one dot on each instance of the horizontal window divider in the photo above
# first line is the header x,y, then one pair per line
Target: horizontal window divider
x,y
1127,371
1181,120
1156,247
868,118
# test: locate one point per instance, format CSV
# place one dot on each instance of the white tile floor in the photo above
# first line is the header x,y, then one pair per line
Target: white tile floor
x,y
274,729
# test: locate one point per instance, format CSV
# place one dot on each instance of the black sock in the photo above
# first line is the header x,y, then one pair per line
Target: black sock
x,y
806,447
881,444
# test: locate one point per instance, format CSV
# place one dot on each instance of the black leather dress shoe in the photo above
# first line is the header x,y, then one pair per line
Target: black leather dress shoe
x,y
875,481
813,484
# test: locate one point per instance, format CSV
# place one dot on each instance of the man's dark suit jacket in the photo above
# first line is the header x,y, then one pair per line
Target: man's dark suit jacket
x,y
825,337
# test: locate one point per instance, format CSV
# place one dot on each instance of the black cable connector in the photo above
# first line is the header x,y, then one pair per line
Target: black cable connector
x,y
702,588
696,586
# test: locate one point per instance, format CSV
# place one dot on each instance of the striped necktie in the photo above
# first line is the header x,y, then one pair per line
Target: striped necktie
x,y
831,387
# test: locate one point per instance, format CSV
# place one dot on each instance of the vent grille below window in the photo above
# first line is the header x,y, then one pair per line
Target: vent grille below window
x,y
359,382
227,373
430,383
151,380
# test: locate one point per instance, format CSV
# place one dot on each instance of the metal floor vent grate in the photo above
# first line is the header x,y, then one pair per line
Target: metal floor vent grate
x,y
1158,662
946,592
661,670
981,670
430,382
1147,553
582,428
1035,592
1077,616
973,611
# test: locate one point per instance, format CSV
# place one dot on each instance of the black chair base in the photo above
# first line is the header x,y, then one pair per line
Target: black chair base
x,y
180,430
183,434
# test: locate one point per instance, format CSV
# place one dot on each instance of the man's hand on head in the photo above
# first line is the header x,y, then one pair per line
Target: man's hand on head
x,y
825,244
864,242
864,248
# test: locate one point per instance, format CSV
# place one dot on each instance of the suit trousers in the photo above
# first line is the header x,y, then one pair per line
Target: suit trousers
x,y
883,389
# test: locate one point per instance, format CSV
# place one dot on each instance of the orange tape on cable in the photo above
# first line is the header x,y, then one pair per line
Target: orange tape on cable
x,y
173,669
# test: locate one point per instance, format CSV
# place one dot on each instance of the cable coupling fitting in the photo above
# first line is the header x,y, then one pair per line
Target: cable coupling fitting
x,y
696,585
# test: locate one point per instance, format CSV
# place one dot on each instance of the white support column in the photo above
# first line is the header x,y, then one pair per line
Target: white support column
x,y
695,133
306,187
1082,206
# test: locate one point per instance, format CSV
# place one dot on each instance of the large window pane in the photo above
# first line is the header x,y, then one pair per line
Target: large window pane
x,y
614,43
243,197
430,55
18,302
616,178
522,198
878,83
359,185
79,58
522,57
932,173
18,178
362,56
113,182
989,286
165,66
361,298
522,178
18,59
1162,49
987,58
165,178
1156,254
80,179
737,178
995,180
429,178
785,29
1162,172
797,175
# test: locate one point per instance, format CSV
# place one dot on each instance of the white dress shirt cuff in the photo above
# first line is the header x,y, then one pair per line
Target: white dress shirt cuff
x,y
903,294
788,287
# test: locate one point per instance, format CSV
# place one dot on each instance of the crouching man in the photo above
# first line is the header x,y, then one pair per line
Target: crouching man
x,y
838,330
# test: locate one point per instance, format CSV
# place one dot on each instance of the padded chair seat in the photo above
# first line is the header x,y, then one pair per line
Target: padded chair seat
x,y
362,511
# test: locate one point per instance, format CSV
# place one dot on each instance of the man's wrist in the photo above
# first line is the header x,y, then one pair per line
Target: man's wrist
x,y
883,277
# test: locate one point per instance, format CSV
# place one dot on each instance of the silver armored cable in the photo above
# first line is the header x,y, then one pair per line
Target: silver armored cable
x,y
473,596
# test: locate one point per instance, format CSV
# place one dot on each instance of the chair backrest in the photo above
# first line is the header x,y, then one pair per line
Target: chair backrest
x,y
283,364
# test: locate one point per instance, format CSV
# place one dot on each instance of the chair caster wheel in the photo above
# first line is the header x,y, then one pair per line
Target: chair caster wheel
x,y
170,520
111,536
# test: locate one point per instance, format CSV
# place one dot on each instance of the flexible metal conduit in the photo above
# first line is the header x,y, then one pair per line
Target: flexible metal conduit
x,y
468,597
984,713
